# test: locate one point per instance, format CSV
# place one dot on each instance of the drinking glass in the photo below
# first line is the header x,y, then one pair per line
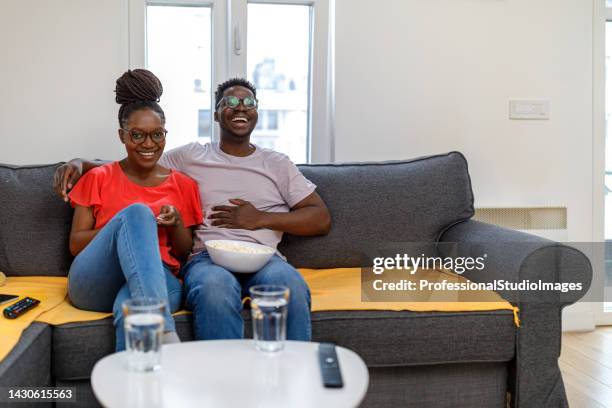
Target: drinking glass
x,y
269,316
144,327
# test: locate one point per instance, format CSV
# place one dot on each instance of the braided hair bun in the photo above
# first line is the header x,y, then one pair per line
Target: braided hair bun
x,y
138,85
138,89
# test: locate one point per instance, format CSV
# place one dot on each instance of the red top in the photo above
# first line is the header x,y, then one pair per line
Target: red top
x,y
108,190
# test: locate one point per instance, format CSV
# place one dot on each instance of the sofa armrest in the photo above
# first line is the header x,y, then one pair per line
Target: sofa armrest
x,y
514,257
28,364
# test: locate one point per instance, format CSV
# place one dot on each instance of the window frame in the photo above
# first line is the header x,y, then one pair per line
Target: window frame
x,y
137,28
596,316
229,28
320,138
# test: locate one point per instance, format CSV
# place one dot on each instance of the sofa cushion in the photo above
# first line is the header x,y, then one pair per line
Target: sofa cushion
x,y
34,223
380,203
386,338
381,338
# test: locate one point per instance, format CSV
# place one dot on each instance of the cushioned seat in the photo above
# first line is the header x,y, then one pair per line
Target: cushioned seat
x,y
381,338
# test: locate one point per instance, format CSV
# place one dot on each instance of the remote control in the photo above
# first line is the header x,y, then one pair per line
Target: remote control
x,y
330,366
17,309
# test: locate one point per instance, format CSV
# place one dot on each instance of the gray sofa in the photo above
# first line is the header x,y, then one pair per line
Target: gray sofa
x,y
427,359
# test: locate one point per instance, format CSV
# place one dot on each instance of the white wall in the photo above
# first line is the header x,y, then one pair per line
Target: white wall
x,y
420,77
58,64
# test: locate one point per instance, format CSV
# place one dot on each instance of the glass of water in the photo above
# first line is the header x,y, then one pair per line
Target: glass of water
x,y
144,327
269,316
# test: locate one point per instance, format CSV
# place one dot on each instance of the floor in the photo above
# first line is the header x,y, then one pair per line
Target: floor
x,y
586,364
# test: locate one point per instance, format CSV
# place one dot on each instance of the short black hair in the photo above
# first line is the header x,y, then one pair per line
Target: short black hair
x,y
228,84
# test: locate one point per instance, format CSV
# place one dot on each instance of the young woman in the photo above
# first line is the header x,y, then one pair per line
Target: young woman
x,y
133,218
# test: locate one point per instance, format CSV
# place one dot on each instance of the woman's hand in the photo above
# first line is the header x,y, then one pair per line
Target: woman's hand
x,y
169,216
66,177
243,215
181,238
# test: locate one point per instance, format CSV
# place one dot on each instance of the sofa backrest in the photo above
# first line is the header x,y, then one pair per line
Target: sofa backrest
x,y
370,204
34,223
374,203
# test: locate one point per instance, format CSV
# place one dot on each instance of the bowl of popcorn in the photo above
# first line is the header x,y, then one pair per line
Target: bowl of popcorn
x,y
239,256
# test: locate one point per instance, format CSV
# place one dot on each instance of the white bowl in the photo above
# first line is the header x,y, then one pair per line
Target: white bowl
x,y
235,261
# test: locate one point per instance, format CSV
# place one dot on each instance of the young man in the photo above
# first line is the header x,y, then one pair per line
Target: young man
x,y
248,194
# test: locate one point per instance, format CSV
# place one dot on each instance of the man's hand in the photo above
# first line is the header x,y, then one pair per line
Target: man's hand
x,y
66,177
242,215
169,216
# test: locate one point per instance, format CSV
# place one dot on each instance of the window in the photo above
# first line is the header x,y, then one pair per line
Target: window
x,y
204,124
193,45
278,64
273,120
179,52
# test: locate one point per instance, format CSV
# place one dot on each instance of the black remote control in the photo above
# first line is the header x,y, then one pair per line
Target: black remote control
x,y
17,309
330,366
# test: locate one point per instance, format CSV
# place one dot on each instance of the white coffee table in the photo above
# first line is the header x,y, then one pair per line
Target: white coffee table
x,y
230,373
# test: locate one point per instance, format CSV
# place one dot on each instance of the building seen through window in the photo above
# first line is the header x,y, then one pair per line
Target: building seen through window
x,y
283,109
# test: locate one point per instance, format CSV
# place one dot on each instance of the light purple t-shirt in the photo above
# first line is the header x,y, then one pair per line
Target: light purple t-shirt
x,y
268,179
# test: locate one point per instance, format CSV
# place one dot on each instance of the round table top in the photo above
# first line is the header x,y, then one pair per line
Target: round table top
x,y
230,373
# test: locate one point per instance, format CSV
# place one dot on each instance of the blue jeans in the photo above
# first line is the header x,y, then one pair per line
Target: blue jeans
x,y
214,296
123,261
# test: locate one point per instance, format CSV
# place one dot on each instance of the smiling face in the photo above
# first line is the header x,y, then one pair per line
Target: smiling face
x,y
238,122
146,154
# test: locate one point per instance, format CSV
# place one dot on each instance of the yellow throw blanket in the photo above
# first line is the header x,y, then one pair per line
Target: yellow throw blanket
x,y
51,291
341,289
331,289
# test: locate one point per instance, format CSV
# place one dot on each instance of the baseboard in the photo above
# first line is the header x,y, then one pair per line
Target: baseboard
x,y
578,318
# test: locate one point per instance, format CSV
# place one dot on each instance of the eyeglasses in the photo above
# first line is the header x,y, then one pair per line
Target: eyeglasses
x,y
138,136
233,102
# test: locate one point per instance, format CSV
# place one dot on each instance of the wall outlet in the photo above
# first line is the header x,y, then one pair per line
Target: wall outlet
x,y
530,109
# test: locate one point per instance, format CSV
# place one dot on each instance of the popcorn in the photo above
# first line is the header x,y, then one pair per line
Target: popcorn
x,y
230,246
